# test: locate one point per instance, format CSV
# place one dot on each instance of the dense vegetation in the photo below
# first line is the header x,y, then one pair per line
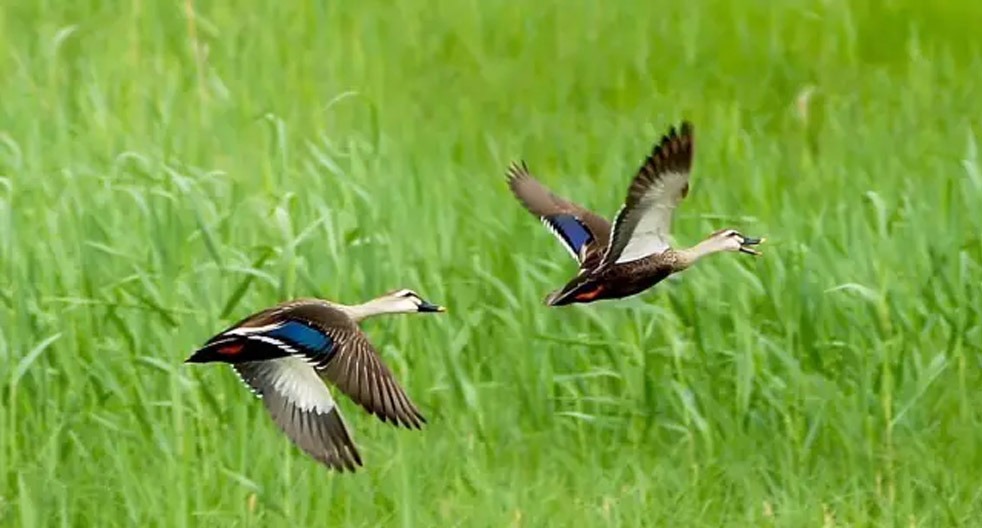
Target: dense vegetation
x,y
168,167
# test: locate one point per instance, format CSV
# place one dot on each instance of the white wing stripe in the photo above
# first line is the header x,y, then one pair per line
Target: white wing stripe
x,y
298,382
249,330
275,342
650,220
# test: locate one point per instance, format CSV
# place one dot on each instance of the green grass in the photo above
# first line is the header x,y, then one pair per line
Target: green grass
x,y
161,176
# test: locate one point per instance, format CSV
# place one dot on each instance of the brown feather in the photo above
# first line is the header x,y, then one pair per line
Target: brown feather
x,y
343,371
541,202
615,282
322,435
354,367
672,155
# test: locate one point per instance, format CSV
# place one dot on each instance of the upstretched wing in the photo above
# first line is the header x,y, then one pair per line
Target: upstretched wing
x,y
301,405
582,232
642,226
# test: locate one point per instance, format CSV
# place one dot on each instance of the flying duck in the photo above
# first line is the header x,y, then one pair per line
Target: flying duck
x,y
284,354
633,254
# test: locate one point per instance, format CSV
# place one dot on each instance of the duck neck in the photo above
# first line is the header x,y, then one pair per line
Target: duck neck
x,y
379,306
688,256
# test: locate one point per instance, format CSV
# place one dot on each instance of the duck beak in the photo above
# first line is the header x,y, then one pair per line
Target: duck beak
x,y
427,307
747,242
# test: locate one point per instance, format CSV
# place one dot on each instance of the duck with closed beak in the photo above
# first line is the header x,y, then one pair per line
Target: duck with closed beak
x,y
287,352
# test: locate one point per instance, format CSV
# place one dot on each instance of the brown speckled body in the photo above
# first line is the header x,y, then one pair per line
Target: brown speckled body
x,y
616,281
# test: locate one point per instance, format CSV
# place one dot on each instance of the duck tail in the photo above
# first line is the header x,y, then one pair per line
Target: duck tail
x,y
580,290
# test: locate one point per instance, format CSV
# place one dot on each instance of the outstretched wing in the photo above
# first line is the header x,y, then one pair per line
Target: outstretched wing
x,y
355,367
269,355
300,404
642,226
583,233
358,371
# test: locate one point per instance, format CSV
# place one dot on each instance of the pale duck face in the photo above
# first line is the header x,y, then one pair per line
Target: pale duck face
x,y
406,300
733,240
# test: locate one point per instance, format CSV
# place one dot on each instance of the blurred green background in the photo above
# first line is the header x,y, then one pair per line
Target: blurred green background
x,y
169,167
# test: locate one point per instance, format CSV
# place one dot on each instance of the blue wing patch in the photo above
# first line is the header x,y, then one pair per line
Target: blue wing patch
x,y
304,336
570,230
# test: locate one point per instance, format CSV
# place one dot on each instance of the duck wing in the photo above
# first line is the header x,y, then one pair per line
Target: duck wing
x,y
357,369
642,225
301,405
582,232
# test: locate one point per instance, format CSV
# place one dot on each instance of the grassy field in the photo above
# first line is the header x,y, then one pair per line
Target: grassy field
x,y
168,167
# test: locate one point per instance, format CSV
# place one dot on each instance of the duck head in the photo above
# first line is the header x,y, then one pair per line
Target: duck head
x,y
733,240
406,301
722,240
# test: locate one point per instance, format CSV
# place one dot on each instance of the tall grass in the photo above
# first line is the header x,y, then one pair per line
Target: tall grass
x,y
168,167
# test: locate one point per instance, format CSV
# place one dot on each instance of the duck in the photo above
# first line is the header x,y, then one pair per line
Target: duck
x,y
633,253
286,353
